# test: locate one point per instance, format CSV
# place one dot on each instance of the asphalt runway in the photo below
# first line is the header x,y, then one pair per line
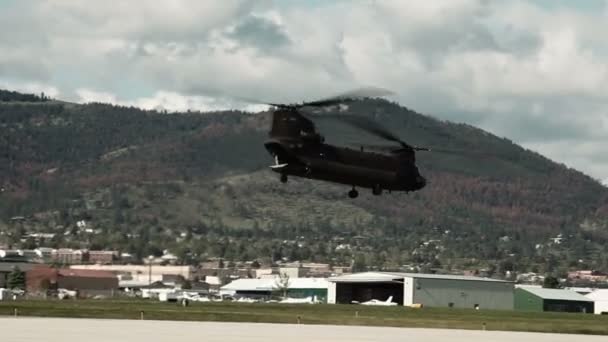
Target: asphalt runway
x,y
25,329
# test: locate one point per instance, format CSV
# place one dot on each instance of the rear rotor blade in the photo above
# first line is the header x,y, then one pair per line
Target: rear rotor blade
x,y
367,125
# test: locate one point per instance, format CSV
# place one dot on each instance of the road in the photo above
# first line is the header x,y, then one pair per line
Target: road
x,y
25,329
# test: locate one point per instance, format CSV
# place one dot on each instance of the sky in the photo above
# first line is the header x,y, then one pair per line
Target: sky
x,y
533,71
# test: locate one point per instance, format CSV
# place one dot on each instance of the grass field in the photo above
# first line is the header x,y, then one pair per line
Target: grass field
x,y
314,314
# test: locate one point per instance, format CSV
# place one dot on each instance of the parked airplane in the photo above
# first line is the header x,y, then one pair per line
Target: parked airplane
x,y
307,300
388,302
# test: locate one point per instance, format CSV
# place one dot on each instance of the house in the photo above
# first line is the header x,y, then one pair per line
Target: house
x,y
103,257
589,275
68,256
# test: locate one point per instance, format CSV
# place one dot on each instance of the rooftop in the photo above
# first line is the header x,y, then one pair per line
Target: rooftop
x,y
599,294
271,284
556,294
392,276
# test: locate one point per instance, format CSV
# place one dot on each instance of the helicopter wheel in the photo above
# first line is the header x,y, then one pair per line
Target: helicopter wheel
x,y
353,193
283,178
377,190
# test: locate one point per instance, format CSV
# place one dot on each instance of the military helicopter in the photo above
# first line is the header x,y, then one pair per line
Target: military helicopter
x,y
300,150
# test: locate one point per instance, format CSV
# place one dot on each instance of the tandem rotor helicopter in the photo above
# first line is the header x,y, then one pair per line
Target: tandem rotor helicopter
x,y
300,150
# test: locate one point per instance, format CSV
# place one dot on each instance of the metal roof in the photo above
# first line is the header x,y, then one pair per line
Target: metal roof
x,y
556,294
272,284
372,277
598,295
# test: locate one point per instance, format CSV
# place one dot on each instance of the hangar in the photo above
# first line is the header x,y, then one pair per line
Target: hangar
x,y
431,290
265,288
530,298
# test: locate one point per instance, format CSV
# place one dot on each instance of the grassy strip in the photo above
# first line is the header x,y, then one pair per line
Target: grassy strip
x,y
315,314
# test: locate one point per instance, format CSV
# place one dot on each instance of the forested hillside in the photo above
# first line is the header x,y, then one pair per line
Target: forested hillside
x,y
198,184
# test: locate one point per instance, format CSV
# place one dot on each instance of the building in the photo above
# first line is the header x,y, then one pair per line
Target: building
x,y
587,275
267,288
540,299
431,290
141,273
600,301
68,256
102,257
86,283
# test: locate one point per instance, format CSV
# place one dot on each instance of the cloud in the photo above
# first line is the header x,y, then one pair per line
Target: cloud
x,y
31,88
170,101
521,69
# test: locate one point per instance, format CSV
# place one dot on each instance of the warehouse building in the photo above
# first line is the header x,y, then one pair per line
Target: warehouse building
x,y
86,283
267,288
600,301
430,290
558,300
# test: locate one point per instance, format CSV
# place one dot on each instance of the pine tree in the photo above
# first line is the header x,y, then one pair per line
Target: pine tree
x,y
16,279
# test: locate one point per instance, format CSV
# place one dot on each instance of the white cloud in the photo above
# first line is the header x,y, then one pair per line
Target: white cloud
x,y
534,74
31,88
170,101
87,95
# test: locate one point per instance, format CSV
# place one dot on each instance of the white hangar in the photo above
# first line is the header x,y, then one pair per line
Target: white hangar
x,y
432,290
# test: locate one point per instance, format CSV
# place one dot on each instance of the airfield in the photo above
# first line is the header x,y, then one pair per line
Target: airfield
x,y
103,330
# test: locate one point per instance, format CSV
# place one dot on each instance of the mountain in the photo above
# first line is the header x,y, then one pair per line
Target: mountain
x,y
198,184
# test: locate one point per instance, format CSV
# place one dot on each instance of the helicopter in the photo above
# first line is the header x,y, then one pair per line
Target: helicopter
x,y
300,150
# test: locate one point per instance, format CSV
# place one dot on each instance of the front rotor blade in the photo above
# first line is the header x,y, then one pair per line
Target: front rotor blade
x,y
353,95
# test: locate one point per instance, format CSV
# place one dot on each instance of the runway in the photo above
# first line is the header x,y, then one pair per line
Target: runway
x,y
25,329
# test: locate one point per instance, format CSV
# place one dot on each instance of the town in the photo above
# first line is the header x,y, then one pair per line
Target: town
x,y
79,274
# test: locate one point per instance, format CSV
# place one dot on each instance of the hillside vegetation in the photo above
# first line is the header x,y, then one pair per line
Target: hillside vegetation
x,y
198,184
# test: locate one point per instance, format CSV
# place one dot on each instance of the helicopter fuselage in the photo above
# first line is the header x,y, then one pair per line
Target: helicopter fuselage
x,y
317,160
299,150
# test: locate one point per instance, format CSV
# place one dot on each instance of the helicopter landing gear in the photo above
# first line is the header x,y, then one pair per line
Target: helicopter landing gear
x,y
353,193
283,178
377,190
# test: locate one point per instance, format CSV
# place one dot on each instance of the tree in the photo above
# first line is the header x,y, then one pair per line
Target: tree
x,y
282,284
551,282
16,279
359,263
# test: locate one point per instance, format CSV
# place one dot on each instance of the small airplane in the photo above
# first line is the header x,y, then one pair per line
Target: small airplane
x,y
388,302
307,300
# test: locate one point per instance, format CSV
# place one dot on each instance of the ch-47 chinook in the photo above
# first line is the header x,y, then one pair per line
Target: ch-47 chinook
x,y
300,150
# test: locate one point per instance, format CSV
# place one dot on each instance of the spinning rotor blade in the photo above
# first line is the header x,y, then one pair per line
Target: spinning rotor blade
x,y
349,96
370,126
453,152
389,148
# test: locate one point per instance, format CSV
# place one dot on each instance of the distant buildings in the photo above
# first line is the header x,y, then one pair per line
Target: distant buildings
x,y
138,275
64,256
588,275
86,283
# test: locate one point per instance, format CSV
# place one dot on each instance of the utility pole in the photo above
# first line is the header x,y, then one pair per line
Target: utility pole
x,y
149,270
